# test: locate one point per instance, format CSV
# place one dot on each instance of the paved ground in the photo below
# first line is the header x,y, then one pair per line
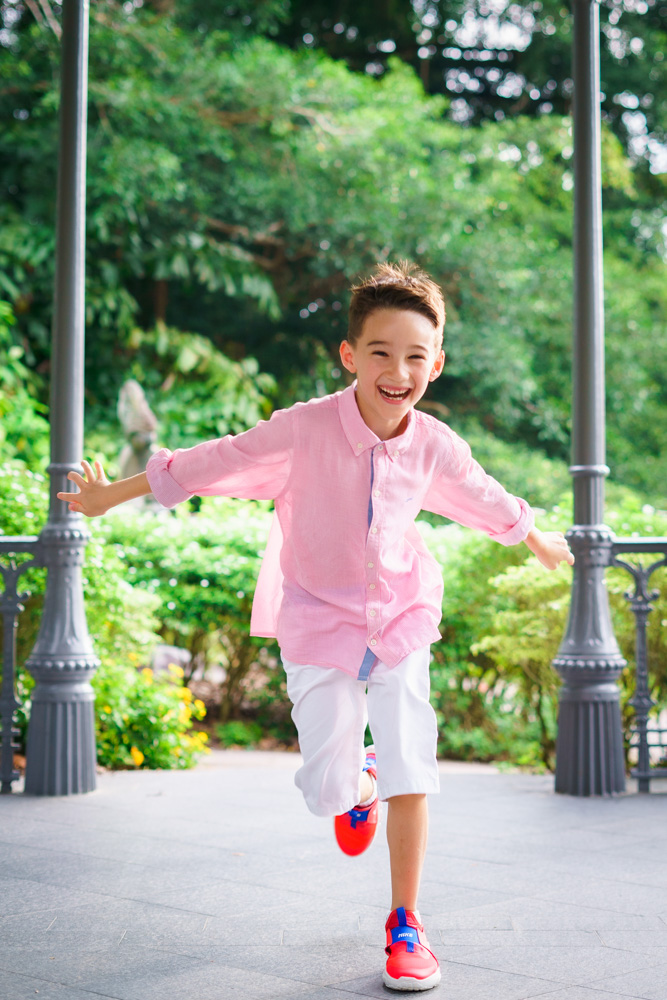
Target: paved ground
x,y
217,883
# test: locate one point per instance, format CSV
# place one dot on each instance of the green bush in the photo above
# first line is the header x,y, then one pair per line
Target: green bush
x,y
122,621
238,733
146,720
201,568
195,391
24,427
494,690
187,579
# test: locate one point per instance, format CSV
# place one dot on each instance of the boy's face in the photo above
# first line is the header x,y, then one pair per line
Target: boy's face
x,y
394,360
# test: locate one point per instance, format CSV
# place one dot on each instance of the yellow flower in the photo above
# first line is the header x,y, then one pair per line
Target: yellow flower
x,y
200,706
107,708
133,657
147,673
185,693
175,670
137,756
184,715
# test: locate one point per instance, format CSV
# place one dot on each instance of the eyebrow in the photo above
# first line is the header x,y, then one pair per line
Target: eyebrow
x,y
383,343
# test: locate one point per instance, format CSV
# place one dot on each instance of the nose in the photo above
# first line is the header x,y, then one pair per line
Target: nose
x,y
399,369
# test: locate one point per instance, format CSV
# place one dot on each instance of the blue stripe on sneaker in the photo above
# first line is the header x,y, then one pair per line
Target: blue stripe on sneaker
x,y
404,933
400,913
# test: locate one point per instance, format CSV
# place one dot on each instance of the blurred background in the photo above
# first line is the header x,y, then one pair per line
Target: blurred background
x,y
246,162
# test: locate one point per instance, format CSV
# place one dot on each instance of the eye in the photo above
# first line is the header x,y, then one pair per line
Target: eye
x,y
382,354
417,357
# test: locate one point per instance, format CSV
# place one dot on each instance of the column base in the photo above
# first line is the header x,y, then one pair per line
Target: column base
x,y
60,758
589,755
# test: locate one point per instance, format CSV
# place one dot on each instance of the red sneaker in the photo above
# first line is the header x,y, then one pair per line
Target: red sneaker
x,y
356,828
411,965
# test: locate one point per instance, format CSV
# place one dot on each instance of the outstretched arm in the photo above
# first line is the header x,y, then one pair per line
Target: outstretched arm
x,y
550,547
97,495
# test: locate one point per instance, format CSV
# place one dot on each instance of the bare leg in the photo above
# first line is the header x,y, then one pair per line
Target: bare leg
x,y
407,833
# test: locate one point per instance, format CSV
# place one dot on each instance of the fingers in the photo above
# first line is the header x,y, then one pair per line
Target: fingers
x,y
73,499
76,478
87,468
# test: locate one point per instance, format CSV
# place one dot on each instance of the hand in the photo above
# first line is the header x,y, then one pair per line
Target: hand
x,y
550,547
93,498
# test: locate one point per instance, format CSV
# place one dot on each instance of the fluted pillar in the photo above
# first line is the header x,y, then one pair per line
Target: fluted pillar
x,y
60,756
589,752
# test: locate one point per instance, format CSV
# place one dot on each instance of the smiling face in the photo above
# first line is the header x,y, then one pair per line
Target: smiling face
x,y
394,360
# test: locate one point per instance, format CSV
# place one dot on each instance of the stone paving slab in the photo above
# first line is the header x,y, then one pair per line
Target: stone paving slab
x,y
217,884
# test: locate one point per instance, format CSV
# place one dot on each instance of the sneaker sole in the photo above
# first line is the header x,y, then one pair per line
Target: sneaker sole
x,y
408,984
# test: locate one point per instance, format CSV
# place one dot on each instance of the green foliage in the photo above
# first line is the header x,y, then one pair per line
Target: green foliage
x,y
123,621
199,393
494,689
201,571
496,60
236,186
24,429
145,721
237,733
195,391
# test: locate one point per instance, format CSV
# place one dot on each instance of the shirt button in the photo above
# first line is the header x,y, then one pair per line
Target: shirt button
x,y
380,447
374,642
371,586
372,612
360,445
374,531
377,493
370,565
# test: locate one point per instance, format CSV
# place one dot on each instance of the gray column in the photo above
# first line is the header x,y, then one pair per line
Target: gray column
x,y
60,758
589,755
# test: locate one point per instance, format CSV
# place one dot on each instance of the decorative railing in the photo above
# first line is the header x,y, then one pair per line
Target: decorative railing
x,y
643,738
11,606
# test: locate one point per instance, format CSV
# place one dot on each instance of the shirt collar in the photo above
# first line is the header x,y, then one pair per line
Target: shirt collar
x,y
359,435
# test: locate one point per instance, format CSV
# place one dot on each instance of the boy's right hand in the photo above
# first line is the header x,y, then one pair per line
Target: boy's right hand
x,y
93,499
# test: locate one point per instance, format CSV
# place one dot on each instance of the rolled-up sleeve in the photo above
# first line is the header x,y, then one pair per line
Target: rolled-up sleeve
x,y
163,486
254,465
464,492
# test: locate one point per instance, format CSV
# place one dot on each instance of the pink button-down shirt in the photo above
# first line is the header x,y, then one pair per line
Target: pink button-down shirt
x,y
345,572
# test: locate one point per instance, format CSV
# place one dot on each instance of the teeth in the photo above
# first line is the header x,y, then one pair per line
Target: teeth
x,y
394,392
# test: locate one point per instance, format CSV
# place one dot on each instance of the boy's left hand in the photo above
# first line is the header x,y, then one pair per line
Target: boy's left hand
x,y
550,547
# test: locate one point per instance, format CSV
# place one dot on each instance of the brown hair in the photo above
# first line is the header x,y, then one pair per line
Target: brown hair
x,y
396,286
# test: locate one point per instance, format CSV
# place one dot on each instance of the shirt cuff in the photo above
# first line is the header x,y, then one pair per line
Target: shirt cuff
x,y
163,486
518,532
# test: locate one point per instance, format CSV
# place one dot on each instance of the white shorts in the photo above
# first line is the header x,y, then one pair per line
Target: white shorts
x,y
330,711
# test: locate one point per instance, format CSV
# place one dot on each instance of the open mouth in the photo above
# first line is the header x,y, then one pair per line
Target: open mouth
x,y
394,395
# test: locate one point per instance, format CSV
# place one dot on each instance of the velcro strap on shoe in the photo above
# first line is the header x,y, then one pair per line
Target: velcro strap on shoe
x,y
406,935
358,816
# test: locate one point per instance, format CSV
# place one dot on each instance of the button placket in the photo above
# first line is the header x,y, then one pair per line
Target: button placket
x,y
373,546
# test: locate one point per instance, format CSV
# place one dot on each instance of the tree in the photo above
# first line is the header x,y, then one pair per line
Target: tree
x,y
236,187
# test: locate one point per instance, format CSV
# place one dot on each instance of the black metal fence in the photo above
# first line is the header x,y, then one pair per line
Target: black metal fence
x,y
643,737
11,606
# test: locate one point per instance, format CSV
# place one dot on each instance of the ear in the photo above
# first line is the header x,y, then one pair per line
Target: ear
x,y
438,365
347,356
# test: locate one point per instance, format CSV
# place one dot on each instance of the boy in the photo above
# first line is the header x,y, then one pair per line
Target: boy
x,y
347,585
